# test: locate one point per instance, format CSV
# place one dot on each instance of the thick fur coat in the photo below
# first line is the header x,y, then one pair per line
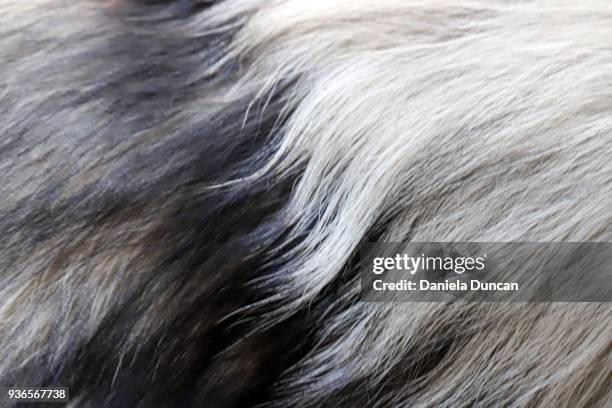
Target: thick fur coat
x,y
184,187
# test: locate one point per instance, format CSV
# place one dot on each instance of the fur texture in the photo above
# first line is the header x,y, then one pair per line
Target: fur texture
x,y
185,186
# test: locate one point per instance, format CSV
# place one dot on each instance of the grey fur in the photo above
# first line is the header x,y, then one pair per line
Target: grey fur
x,y
185,186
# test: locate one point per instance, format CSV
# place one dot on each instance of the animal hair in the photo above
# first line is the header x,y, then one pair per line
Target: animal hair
x,y
185,187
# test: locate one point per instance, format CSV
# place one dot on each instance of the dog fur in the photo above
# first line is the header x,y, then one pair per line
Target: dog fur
x,y
185,186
